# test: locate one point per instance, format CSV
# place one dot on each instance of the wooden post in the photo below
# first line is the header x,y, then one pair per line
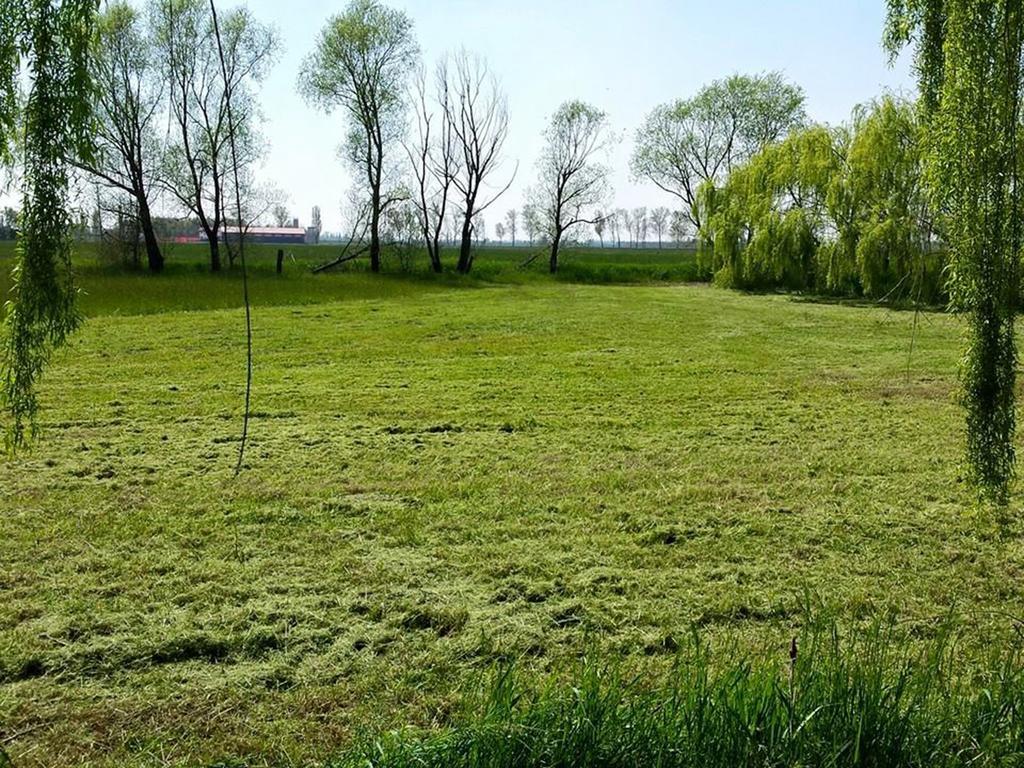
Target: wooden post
x,y
280,260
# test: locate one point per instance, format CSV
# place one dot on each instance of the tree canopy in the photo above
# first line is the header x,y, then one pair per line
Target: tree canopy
x,y
361,64
685,143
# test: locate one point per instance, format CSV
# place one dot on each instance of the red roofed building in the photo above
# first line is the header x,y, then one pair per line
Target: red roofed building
x,y
271,235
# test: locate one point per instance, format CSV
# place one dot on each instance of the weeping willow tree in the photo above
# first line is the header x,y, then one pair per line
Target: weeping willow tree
x,y
833,210
44,45
765,222
968,61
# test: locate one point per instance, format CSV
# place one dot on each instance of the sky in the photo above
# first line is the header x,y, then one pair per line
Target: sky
x,y
623,57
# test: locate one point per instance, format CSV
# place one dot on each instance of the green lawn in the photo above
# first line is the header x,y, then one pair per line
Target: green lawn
x,y
187,283
446,474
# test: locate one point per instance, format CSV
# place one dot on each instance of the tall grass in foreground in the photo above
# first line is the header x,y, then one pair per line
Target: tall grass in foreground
x,y
877,700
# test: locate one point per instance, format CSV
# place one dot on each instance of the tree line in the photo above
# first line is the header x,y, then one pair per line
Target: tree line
x,y
425,144
450,165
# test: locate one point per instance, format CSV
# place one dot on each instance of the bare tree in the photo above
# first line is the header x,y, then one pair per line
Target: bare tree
x,y
280,215
476,110
571,180
198,165
600,224
511,219
639,219
499,232
127,100
625,222
659,221
361,64
435,163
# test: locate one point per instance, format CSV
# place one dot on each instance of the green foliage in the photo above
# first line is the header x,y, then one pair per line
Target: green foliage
x,y
690,142
362,63
968,58
868,700
838,211
52,40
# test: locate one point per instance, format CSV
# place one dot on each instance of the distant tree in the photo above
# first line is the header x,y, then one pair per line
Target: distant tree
x,y
572,180
477,112
96,221
316,223
659,221
479,229
511,219
678,227
499,231
683,144
198,164
8,223
127,102
532,222
361,64
615,225
626,224
280,215
453,225
600,223
639,219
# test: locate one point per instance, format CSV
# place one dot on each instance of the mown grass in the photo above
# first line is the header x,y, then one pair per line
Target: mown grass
x,y
186,284
443,480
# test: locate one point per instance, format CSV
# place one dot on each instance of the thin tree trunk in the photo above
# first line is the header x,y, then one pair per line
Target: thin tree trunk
x,y
553,265
153,255
466,249
375,236
214,239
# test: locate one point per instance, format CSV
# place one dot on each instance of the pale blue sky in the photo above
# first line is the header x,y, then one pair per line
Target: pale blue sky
x,y
624,57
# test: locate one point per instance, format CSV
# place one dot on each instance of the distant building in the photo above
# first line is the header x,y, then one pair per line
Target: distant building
x,y
293,235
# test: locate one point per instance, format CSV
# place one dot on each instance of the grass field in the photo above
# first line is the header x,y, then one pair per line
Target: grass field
x,y
444,475
110,289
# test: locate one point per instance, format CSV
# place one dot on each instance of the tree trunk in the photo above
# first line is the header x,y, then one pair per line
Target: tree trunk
x,y
214,251
466,249
554,253
375,240
375,232
153,255
435,257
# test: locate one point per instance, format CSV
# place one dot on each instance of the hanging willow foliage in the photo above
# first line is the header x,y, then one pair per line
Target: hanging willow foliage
x,y
968,59
833,210
45,127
